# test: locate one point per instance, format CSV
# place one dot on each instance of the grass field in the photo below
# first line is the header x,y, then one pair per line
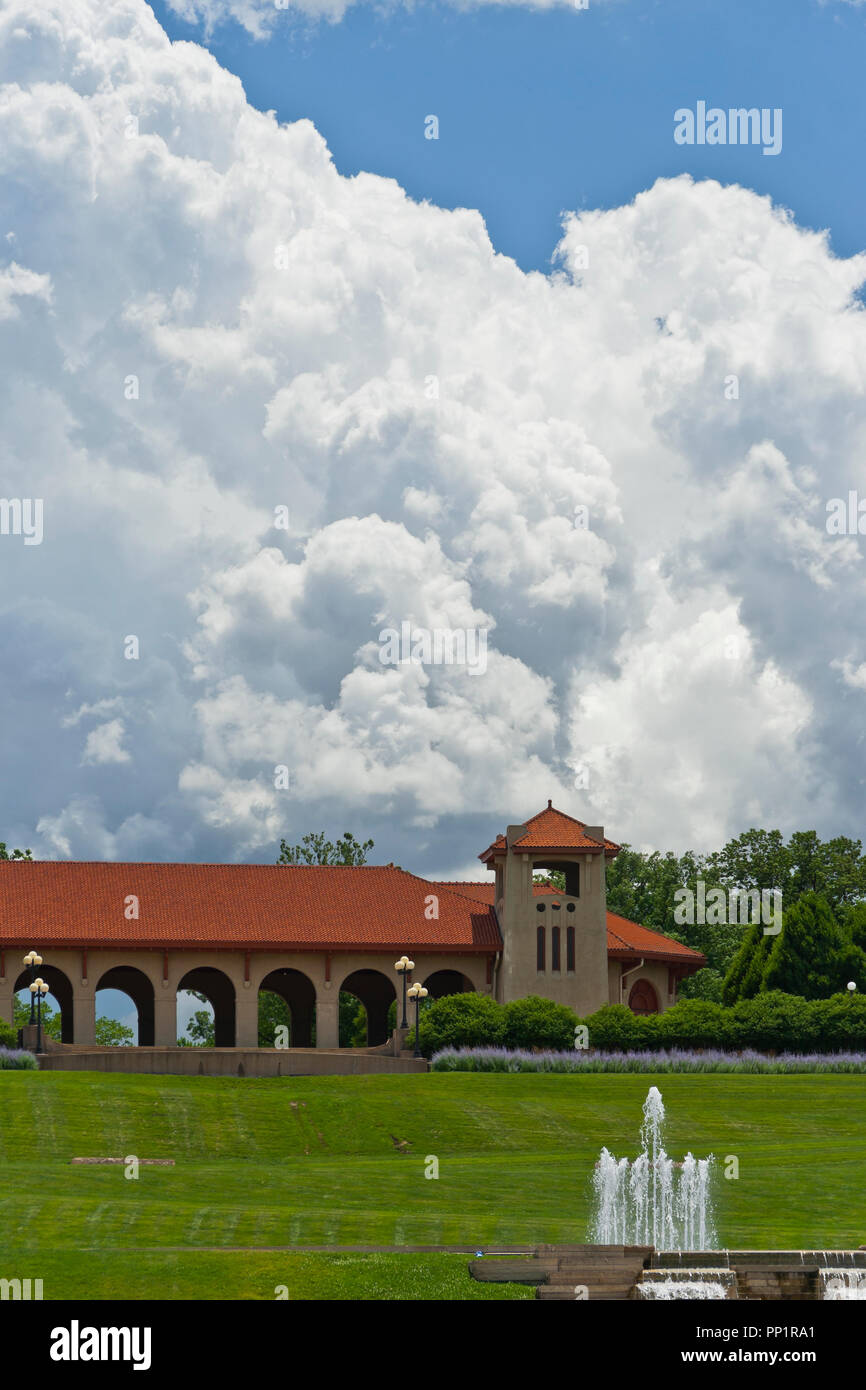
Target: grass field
x,y
341,1160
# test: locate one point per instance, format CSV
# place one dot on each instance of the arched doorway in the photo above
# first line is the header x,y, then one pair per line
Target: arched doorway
x,y
299,994
59,995
219,992
376,992
135,984
643,998
443,982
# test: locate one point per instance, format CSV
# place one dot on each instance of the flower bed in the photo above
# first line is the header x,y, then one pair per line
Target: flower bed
x,y
502,1059
16,1059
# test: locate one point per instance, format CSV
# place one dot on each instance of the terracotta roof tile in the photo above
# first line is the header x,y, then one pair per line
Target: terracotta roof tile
x,y
629,938
243,905
552,829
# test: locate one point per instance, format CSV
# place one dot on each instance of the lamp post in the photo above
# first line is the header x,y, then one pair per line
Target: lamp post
x,y
38,990
404,966
417,992
852,985
32,961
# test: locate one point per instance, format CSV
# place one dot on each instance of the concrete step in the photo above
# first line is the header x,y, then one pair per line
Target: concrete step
x,y
561,1293
511,1271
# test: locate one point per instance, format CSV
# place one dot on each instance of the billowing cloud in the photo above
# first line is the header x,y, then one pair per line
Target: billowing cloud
x,y
272,413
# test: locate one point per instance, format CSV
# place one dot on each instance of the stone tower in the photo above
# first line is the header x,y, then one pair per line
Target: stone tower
x,y
554,943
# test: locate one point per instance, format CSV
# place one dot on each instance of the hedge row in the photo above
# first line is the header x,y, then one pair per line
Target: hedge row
x,y
771,1022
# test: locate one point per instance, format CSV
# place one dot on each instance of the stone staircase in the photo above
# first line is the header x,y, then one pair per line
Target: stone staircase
x,y
606,1272
569,1272
566,1273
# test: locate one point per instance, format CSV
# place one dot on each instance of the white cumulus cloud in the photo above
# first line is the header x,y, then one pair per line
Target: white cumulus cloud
x,y
218,380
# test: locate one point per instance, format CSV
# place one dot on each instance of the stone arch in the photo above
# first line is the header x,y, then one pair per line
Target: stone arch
x,y
138,986
60,986
442,982
219,991
643,998
299,993
376,992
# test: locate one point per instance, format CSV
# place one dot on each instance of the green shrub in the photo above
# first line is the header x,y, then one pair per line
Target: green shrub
x,y
694,1023
838,1022
770,1022
537,1022
775,1022
460,1020
615,1026
8,1034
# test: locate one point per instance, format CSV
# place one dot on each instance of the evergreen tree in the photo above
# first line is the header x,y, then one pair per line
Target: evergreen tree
x,y
813,956
732,988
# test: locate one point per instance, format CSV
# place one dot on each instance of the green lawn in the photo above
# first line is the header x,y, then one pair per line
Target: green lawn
x,y
256,1274
341,1160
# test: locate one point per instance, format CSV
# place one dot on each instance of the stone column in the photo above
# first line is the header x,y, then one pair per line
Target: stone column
x,y
247,1016
164,1015
328,1015
7,1006
83,1016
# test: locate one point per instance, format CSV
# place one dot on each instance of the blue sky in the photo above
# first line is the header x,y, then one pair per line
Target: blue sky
x,y
542,111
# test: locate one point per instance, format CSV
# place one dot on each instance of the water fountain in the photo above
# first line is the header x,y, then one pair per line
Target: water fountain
x,y
687,1283
652,1236
653,1200
843,1284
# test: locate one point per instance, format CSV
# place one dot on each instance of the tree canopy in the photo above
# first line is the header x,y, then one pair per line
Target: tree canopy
x,y
315,849
642,887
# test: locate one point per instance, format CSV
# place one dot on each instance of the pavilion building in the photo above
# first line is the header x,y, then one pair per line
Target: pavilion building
x,y
307,932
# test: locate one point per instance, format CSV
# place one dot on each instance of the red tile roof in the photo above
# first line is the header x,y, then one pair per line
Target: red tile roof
x,y
259,906
553,830
247,906
626,940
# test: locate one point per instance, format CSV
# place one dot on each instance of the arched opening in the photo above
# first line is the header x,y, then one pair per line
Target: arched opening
x,y
643,998
376,992
219,992
298,993
443,982
563,874
138,988
58,998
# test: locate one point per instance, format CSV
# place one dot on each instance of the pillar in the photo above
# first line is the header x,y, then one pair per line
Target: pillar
x,y
247,1016
328,1016
165,1016
83,1017
7,998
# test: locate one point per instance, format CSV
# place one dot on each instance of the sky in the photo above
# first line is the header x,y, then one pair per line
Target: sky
x,y
283,374
548,110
